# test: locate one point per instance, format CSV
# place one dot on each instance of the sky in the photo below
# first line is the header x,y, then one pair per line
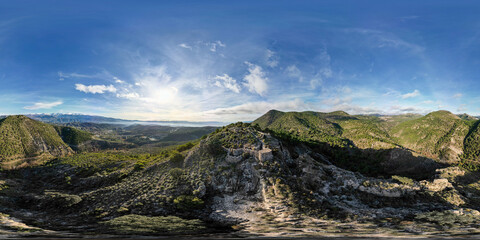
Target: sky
x,y
235,60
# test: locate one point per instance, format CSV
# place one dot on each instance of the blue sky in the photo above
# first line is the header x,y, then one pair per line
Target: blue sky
x,y
235,60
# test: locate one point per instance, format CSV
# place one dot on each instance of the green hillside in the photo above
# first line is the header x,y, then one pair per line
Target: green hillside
x,y
335,128
471,150
438,135
389,122
73,136
22,137
305,126
366,132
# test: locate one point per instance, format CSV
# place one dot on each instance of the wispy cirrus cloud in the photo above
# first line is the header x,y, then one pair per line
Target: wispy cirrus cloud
x,y
457,95
383,39
215,45
43,105
293,72
184,45
413,94
271,58
260,107
94,89
63,76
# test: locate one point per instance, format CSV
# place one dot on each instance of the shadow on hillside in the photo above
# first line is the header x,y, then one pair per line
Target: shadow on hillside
x,y
370,162
468,178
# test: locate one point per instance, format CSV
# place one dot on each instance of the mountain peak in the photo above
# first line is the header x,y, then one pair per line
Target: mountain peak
x,y
442,114
339,113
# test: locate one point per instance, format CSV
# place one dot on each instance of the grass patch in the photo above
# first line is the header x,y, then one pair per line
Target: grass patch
x,y
403,180
138,224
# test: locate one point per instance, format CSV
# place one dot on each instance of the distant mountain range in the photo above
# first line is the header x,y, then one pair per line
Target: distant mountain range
x,y
61,118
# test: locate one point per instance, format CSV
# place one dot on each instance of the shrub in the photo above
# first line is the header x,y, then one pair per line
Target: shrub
x,y
141,164
176,173
63,200
185,147
177,159
188,202
215,148
403,180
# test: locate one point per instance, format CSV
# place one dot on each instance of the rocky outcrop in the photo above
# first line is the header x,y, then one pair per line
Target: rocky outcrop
x,y
262,177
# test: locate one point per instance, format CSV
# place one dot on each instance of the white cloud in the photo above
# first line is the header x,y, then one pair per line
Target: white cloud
x,y
104,75
184,45
382,39
227,82
75,75
95,88
294,72
118,80
43,105
462,108
458,95
337,101
411,95
214,45
428,102
255,79
354,109
271,58
132,95
314,83
395,109
154,88
255,108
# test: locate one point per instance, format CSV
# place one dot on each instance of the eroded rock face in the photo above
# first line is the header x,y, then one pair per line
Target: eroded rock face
x,y
262,177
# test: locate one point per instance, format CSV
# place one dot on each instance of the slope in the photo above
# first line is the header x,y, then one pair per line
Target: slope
x,y
22,137
471,149
439,135
335,128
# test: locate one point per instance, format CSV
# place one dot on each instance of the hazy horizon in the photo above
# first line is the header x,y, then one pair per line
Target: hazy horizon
x,y
227,62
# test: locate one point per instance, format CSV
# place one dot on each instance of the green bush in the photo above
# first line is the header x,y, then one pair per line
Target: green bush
x,y
72,135
176,173
141,164
185,147
403,180
177,159
215,148
63,200
188,202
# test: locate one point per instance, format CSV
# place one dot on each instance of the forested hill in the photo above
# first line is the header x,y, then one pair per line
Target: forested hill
x,y
22,137
439,135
